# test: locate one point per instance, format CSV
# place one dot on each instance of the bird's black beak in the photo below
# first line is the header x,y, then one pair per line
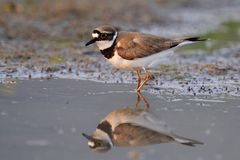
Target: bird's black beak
x,y
86,136
91,41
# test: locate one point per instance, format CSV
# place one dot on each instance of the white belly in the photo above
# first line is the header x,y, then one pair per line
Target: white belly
x,y
138,63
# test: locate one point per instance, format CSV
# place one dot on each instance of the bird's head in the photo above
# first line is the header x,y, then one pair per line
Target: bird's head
x,y
104,36
99,143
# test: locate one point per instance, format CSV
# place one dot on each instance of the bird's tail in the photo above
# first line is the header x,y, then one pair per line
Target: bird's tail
x,y
189,40
186,141
194,39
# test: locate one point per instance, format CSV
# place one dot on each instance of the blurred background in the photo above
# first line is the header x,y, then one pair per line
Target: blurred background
x,y
41,38
196,92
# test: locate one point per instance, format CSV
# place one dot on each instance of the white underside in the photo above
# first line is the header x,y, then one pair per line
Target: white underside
x,y
138,63
146,62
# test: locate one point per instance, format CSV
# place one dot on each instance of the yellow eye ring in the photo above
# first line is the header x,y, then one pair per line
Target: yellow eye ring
x,y
103,35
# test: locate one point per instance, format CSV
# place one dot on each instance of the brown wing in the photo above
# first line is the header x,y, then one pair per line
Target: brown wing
x,y
131,45
128,134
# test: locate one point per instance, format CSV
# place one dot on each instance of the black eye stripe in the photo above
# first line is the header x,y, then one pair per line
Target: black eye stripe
x,y
103,36
110,34
96,31
106,36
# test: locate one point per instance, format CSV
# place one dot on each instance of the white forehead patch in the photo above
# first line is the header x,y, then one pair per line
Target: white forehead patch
x,y
91,144
95,35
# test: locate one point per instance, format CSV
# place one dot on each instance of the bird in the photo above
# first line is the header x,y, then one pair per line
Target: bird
x,y
135,51
131,127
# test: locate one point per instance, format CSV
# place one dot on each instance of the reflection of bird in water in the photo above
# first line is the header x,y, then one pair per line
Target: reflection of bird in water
x,y
133,127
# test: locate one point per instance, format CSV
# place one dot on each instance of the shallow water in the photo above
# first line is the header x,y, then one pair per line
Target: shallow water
x,y
210,67
44,119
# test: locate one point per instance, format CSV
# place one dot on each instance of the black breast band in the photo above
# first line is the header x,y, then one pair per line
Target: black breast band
x,y
109,52
106,127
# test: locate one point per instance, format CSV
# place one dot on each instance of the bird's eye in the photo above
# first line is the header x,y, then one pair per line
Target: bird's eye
x,y
103,35
98,144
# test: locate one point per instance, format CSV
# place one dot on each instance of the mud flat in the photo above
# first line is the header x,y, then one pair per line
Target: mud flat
x,y
44,119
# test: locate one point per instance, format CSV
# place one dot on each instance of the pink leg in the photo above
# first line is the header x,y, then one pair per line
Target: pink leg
x,y
146,79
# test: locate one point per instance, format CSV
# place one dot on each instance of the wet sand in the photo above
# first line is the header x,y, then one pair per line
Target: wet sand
x,y
44,119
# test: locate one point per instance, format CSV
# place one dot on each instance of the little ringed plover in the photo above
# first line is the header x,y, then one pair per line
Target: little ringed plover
x,y
135,51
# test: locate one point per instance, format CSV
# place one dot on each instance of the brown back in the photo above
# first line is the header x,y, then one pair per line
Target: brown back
x,y
131,45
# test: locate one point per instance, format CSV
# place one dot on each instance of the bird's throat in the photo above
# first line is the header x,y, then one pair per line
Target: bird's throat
x,y
109,52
